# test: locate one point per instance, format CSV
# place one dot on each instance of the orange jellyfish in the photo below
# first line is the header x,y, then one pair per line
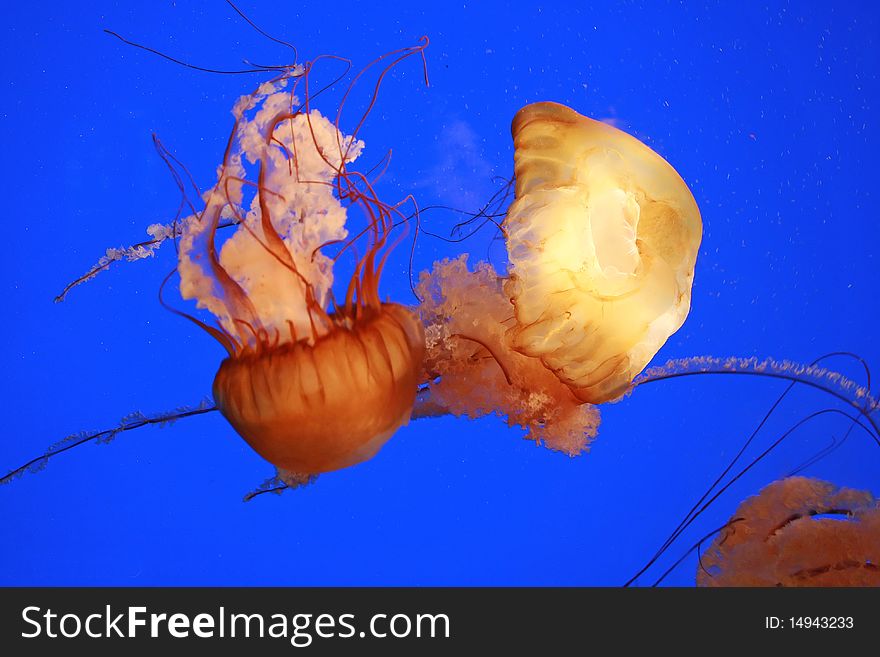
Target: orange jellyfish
x,y
798,532
311,385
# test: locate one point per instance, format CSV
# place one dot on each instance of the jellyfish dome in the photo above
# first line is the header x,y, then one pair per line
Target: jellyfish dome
x,y
798,532
602,240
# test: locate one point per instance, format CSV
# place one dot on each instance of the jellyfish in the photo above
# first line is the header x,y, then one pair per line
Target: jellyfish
x,y
313,384
310,388
797,532
602,240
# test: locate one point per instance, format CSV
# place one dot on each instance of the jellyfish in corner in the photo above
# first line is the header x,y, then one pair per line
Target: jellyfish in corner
x,y
797,532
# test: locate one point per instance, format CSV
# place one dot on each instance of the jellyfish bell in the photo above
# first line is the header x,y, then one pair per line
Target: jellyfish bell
x,y
309,409
602,240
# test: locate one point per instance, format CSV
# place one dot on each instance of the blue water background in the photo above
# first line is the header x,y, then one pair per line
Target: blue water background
x,y
768,111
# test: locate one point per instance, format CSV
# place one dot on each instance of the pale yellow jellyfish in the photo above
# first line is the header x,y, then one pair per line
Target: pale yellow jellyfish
x,y
798,532
602,241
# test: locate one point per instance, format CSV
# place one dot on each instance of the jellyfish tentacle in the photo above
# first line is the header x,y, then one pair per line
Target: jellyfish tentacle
x,y
130,422
271,485
399,55
180,62
227,340
170,162
827,381
492,353
695,547
261,31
